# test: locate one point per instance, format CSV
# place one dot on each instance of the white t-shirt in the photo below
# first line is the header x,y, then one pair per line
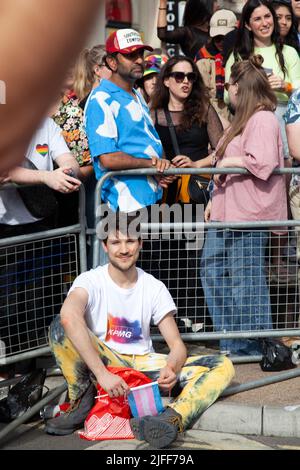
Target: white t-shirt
x,y
46,145
121,317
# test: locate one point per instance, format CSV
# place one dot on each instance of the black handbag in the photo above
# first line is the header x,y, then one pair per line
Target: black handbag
x,y
39,199
197,184
197,189
22,396
276,356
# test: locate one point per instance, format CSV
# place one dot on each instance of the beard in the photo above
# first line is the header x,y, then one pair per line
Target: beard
x,y
122,266
132,75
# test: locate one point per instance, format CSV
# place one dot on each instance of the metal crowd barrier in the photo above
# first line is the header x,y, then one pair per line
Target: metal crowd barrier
x,y
36,272
173,251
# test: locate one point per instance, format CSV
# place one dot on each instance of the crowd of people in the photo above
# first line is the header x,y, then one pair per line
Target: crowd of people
x,y
231,98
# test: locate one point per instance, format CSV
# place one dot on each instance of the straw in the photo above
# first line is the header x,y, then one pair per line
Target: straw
x,y
143,386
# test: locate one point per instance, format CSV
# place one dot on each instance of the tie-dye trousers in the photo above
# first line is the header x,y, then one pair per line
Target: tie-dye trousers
x,y
200,382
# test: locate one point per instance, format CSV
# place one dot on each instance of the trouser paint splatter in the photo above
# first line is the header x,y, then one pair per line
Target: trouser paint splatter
x,y
200,382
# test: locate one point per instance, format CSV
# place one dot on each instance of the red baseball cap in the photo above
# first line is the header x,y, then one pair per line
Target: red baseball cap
x,y
125,41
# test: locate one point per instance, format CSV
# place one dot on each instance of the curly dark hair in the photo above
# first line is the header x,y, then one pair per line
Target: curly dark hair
x,y
196,104
244,43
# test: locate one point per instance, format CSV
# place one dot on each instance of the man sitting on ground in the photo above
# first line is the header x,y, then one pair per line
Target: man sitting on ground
x,y
102,305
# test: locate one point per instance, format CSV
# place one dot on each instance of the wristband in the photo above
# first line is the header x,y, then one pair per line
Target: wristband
x,y
162,8
288,88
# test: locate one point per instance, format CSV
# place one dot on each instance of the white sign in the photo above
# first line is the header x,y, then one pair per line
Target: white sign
x,y
2,92
175,11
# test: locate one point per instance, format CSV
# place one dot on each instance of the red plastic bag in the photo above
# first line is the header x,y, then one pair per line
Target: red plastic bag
x,y
109,418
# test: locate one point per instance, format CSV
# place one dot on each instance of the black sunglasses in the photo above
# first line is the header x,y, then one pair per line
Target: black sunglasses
x,y
180,76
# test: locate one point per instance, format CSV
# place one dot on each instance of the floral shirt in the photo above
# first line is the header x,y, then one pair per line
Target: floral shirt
x,y
70,119
292,116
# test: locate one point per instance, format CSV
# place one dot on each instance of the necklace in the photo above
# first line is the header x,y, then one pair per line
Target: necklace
x,y
175,110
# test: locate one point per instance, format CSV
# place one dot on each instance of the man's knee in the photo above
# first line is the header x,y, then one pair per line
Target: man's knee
x,y
228,368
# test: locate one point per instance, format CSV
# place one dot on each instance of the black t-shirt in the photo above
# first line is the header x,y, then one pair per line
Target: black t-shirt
x,y
83,102
193,142
228,44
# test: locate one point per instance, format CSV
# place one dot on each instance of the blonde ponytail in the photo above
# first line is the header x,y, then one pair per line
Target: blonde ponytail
x,y
84,74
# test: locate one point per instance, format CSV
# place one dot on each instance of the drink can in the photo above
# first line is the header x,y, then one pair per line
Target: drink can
x,y
53,411
296,352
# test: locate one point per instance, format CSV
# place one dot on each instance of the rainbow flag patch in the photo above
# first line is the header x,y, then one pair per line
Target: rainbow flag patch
x,y
42,149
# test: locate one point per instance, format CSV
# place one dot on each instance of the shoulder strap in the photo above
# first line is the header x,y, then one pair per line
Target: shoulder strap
x,y
172,132
196,44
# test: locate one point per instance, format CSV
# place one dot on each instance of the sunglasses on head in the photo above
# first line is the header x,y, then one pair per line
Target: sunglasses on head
x,y
180,76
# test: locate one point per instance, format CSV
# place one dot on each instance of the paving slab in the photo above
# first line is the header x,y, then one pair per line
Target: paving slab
x,y
283,421
232,418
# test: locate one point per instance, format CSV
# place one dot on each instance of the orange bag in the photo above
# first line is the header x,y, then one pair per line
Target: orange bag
x,y
109,418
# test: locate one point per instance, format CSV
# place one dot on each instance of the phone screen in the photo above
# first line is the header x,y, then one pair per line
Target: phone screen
x,y
268,71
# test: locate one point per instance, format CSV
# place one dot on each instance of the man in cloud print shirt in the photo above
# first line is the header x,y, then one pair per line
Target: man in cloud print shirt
x,y
120,131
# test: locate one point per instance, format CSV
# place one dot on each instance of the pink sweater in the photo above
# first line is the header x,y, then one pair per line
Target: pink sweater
x,y
259,196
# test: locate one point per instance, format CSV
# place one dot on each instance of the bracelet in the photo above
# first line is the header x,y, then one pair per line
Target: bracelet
x,y
288,88
162,8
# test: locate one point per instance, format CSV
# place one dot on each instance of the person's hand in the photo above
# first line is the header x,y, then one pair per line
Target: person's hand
x,y
276,82
68,171
114,385
207,211
167,378
182,161
161,164
60,181
4,178
214,158
164,181
219,178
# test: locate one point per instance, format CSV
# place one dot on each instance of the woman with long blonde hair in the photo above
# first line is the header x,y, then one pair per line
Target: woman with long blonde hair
x,y
90,68
233,261
85,75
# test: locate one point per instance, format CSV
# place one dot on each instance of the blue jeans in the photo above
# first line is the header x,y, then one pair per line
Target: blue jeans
x,y
233,277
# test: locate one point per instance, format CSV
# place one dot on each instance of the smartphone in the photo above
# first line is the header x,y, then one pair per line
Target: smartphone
x,y
70,172
268,71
